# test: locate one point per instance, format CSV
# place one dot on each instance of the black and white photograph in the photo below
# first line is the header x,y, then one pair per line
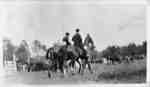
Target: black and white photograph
x,y
73,43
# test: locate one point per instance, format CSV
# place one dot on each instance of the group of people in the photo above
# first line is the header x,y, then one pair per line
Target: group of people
x,y
78,41
79,45
77,51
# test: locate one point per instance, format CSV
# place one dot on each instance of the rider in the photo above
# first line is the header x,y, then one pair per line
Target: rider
x,y
88,40
67,43
77,39
66,39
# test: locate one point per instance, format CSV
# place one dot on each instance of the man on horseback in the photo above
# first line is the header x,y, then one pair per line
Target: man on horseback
x,y
78,44
77,40
66,39
88,41
89,47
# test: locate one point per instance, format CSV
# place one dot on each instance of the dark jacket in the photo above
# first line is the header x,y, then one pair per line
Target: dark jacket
x,y
77,39
66,40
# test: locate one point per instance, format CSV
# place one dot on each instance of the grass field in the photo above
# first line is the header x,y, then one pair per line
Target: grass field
x,y
119,73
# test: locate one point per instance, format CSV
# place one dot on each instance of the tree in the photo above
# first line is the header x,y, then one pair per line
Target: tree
x,y
111,51
36,45
144,48
132,49
8,49
38,49
44,47
22,52
124,51
129,50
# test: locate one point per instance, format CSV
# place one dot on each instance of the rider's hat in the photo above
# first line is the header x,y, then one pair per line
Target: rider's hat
x,y
67,33
77,30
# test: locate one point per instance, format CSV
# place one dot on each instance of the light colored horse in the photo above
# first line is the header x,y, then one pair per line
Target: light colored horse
x,y
91,52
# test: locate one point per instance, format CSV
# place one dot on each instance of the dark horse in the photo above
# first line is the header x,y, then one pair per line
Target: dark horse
x,y
58,59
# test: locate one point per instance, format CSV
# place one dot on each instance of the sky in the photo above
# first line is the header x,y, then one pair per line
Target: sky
x,y
107,24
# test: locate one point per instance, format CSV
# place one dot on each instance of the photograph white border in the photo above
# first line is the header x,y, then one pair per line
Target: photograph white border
x,y
81,85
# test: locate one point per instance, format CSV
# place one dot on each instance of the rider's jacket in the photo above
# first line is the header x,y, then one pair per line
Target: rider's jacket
x,y
77,39
66,40
88,40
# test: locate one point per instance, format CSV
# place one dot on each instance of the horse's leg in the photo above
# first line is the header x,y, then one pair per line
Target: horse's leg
x,y
17,67
49,72
64,68
89,67
21,67
79,66
73,67
57,66
83,66
61,67
29,67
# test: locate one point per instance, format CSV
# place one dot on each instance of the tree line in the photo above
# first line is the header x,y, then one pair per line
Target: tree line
x,y
23,51
121,51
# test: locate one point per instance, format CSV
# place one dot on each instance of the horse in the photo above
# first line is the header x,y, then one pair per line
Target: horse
x,y
37,63
91,55
61,58
91,52
80,58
